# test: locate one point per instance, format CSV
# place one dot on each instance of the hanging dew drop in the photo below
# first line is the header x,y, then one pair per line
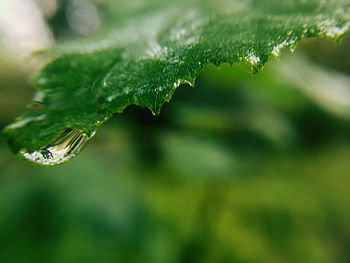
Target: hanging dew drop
x,y
66,146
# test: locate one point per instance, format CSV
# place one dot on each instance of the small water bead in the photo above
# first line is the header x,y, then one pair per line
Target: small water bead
x,y
183,81
252,59
66,146
291,43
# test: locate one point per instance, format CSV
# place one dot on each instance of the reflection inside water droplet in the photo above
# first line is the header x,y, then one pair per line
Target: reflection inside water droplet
x,y
66,146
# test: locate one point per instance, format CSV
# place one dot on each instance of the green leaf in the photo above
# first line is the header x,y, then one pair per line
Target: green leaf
x,y
148,52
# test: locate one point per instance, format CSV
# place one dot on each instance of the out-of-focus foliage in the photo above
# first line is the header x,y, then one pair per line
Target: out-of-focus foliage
x,y
145,54
239,169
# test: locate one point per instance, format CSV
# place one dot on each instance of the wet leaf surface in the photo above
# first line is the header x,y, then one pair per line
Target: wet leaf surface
x,y
141,59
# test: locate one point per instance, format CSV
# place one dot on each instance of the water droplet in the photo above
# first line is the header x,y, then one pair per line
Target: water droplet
x,y
252,59
111,98
63,148
183,81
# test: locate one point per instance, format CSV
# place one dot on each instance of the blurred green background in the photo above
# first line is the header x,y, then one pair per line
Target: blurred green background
x,y
240,168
